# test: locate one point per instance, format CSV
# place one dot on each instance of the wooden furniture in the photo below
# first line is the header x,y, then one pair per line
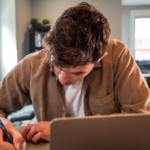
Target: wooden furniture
x,y
36,34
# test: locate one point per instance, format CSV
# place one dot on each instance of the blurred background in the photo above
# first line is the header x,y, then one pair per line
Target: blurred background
x,y
22,28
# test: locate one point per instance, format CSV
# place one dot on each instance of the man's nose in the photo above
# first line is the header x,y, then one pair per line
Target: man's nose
x,y
64,77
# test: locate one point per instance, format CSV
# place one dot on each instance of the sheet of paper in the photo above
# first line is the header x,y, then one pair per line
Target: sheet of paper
x,y
23,146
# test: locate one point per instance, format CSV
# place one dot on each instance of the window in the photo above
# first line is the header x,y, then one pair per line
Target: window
x,y
142,39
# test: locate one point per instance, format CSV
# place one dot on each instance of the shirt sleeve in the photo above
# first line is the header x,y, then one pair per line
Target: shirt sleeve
x,y
131,90
14,89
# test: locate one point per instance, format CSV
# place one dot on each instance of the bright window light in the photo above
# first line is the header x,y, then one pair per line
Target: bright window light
x,y
142,39
9,51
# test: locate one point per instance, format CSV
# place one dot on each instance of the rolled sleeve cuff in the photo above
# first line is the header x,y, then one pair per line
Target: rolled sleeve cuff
x,y
2,114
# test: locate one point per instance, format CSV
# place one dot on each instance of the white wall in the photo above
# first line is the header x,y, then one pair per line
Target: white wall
x,y
0,43
23,16
135,2
17,14
8,36
51,9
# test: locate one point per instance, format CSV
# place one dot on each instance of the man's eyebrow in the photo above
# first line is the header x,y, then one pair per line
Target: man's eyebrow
x,y
77,72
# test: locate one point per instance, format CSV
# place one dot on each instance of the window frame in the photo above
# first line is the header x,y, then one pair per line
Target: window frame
x,y
133,15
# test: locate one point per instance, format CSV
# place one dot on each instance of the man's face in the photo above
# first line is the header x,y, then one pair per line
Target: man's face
x,y
68,76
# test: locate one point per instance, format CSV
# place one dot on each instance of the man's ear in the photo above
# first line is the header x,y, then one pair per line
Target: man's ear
x,y
102,57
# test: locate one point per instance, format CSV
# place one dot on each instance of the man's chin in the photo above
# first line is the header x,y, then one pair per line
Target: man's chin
x,y
66,84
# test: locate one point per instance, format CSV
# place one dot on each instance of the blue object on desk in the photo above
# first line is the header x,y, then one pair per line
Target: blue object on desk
x,y
5,132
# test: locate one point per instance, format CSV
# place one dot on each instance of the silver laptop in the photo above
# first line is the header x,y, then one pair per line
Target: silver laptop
x,y
113,132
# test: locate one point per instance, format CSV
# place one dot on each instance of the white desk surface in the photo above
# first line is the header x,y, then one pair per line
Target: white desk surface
x,y
38,146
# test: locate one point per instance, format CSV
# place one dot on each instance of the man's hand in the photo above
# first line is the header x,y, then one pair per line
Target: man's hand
x,y
14,133
35,132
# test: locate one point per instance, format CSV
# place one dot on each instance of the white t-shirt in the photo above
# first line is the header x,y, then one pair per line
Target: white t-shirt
x,y
74,99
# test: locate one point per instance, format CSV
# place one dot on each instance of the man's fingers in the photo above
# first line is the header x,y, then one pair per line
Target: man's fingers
x,y
38,136
42,128
1,135
6,146
17,139
25,131
31,133
18,142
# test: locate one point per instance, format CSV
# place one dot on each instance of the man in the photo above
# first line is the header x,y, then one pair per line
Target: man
x,y
80,72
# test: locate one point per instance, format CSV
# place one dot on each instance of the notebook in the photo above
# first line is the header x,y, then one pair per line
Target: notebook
x,y
108,132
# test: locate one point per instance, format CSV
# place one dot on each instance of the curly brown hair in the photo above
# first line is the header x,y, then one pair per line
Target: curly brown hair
x,y
79,36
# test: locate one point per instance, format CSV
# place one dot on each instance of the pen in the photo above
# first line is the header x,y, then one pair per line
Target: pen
x,y
5,132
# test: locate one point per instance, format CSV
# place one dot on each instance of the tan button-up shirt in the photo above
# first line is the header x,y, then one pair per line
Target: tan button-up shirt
x,y
115,84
